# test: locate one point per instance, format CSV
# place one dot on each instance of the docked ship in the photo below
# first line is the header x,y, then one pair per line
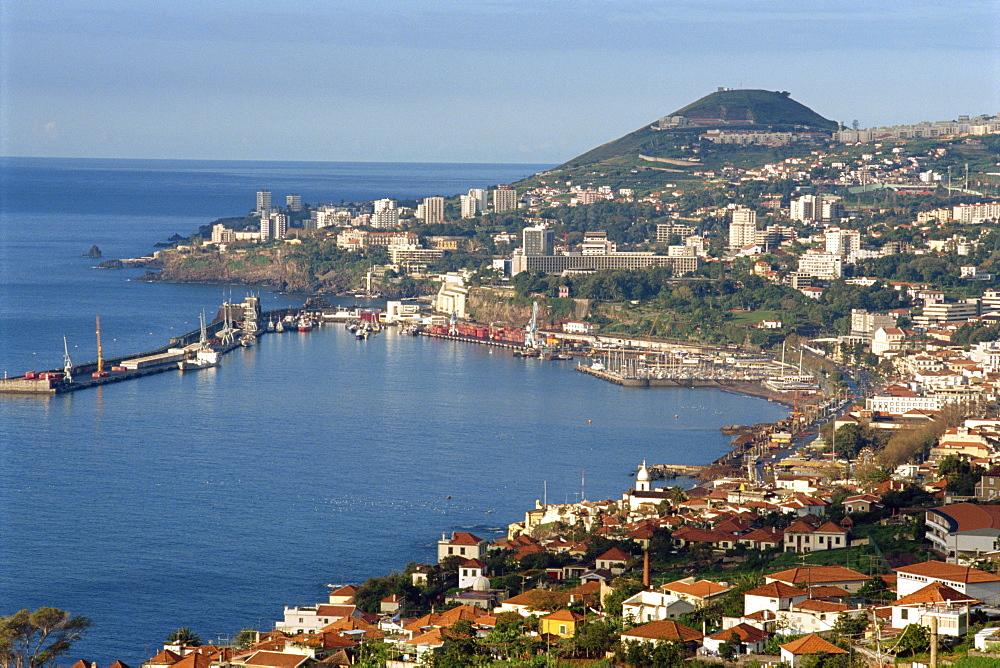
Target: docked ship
x,y
205,356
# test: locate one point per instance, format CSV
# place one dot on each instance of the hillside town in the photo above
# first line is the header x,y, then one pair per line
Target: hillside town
x,y
862,531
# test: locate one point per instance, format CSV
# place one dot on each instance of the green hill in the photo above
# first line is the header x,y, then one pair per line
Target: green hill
x,y
730,109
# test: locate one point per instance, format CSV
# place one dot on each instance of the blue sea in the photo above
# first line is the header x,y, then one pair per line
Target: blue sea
x,y
213,499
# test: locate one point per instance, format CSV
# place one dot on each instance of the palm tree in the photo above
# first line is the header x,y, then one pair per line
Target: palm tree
x,y
184,636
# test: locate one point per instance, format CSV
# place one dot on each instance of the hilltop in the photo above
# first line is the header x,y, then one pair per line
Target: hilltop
x,y
729,109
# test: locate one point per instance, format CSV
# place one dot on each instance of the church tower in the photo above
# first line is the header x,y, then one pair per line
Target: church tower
x,y
642,478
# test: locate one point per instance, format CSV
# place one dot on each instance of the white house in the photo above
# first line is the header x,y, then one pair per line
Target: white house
x,y
936,600
963,530
772,596
469,572
978,584
751,639
462,544
651,606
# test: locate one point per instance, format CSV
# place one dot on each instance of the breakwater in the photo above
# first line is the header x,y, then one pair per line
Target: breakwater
x,y
84,376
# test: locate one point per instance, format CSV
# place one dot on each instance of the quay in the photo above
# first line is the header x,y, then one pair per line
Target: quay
x,y
751,387
128,367
471,339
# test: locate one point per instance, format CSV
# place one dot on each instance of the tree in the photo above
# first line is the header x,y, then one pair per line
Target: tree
x,y
184,636
36,639
913,640
730,649
875,591
246,637
852,625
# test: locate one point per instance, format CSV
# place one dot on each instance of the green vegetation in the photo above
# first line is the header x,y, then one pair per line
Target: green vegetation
x,y
759,109
39,639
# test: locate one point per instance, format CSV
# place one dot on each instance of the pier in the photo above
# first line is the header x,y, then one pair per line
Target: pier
x,y
127,367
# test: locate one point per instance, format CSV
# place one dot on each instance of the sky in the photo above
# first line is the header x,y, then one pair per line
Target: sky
x,y
517,81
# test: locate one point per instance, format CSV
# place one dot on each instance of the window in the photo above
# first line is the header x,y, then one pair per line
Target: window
x,y
450,550
562,629
904,614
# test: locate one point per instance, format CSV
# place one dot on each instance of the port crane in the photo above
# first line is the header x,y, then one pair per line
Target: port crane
x,y
67,362
531,329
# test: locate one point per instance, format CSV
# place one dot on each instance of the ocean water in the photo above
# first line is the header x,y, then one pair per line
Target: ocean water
x,y
213,499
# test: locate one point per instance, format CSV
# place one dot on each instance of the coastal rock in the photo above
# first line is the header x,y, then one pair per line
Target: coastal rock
x,y
110,264
93,252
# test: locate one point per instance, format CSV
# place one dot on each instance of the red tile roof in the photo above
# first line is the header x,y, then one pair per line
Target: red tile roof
x,y
166,657
827,591
951,572
663,630
346,590
969,517
464,538
812,644
808,575
614,554
197,660
563,616
699,589
335,610
935,592
745,632
812,605
764,535
776,590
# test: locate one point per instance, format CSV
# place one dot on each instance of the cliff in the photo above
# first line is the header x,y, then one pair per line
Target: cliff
x,y
492,305
266,269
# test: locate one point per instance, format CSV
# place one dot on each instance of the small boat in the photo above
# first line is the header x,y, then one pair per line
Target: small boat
x,y
279,326
305,324
248,340
270,325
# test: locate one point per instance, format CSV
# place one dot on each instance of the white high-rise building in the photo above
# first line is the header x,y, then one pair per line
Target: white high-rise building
x,y
469,205
279,225
842,242
385,219
293,202
273,226
432,210
817,207
480,195
804,208
473,204
263,201
742,228
504,199
826,266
